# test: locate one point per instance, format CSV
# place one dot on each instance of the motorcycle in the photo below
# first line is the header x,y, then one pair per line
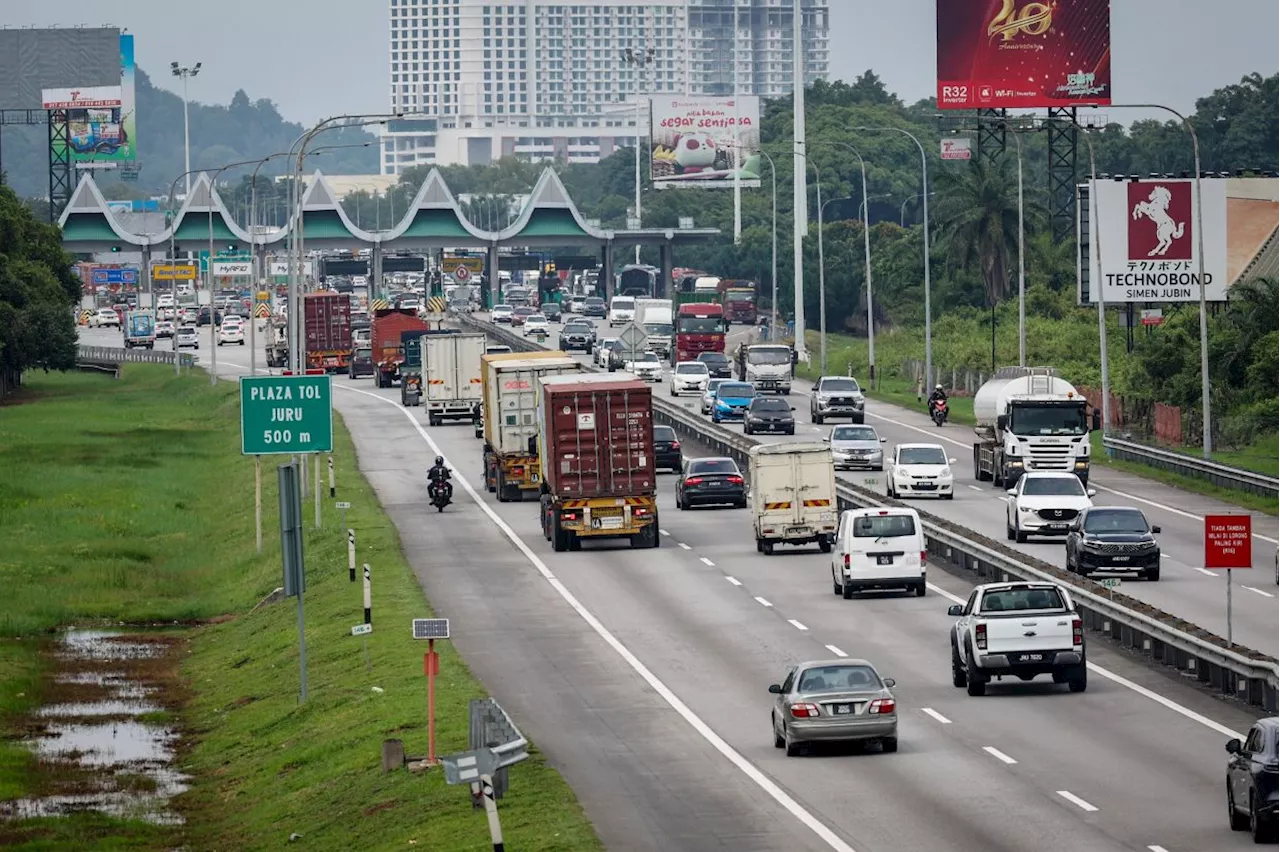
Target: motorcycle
x,y
440,493
938,410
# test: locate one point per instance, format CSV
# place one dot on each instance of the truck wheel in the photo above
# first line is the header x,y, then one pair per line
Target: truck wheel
x,y
816,418
1078,681
768,548
920,590
846,591
824,544
975,682
837,587
959,677
559,536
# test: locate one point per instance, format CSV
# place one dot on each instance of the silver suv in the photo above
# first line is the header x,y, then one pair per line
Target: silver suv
x,y
837,396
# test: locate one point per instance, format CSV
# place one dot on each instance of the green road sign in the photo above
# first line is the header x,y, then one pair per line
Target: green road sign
x,y
282,415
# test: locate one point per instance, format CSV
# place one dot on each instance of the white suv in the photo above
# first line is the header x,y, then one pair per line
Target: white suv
x,y
876,549
689,377
622,310
1044,503
920,470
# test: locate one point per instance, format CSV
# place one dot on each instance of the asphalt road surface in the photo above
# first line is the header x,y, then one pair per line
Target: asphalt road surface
x,y
642,675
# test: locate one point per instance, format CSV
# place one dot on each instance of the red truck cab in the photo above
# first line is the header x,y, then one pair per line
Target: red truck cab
x,y
739,300
699,328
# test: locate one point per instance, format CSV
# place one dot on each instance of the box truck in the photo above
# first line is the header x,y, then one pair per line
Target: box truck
x,y
388,356
451,372
327,331
139,329
793,495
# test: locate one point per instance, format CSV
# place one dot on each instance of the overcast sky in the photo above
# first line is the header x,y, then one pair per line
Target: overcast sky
x,y
1166,51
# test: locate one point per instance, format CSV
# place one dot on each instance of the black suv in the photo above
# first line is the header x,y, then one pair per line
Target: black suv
x,y
666,449
769,415
1251,781
718,364
551,310
1113,538
577,334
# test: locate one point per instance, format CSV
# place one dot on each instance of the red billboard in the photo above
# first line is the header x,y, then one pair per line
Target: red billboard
x,y
1228,541
1160,221
994,54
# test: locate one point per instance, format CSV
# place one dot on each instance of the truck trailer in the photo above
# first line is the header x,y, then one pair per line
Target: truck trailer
x,y
793,495
139,329
510,386
1029,419
595,451
327,331
411,363
451,372
388,354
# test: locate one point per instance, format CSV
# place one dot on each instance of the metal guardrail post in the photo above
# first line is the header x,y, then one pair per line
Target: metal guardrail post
x,y
1223,475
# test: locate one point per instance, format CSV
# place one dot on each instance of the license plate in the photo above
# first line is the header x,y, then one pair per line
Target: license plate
x,y
1030,658
1057,526
884,560
797,529
607,523
1119,559
926,486
842,709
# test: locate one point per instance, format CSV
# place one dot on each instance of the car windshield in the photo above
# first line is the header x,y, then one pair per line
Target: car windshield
x,y
595,301
1051,420
535,318
770,405
664,433
662,329
691,369
884,526
736,390
713,358
524,311
714,385
577,326
1115,520
1022,599
854,433
713,466
700,325
768,356
646,358
838,679
1056,486
839,386
502,309
921,455
364,353
624,304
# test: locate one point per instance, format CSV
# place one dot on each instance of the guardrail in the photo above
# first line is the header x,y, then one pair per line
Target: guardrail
x,y
1224,475
1234,670
95,355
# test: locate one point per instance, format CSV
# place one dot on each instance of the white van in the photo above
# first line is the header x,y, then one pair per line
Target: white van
x,y
878,548
622,310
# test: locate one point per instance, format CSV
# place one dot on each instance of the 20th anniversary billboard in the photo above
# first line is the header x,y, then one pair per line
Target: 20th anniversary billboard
x,y
994,54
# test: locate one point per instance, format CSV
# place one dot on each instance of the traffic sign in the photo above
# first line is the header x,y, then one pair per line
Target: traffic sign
x,y
1109,582
450,264
262,311
633,337
173,272
468,766
461,274
232,268
282,415
115,276
1228,541
362,630
280,268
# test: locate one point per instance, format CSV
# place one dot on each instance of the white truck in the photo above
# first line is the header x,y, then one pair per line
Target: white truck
x,y
767,367
655,316
1027,418
708,286
793,495
451,375
1020,630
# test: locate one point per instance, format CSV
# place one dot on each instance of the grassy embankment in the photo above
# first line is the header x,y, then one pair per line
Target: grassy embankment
x,y
129,501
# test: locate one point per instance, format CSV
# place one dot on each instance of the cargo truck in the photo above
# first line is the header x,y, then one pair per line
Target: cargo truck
x,y
510,385
739,300
699,328
766,366
1029,419
411,363
139,329
793,495
277,342
388,353
451,372
654,316
595,451
327,331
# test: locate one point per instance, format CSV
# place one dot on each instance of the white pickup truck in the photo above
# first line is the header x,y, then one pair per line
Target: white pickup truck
x,y
1018,630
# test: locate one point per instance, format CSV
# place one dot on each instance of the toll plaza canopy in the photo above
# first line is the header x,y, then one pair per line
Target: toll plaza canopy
x,y
434,220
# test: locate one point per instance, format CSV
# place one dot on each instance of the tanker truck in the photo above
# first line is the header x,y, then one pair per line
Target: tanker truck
x,y
1029,419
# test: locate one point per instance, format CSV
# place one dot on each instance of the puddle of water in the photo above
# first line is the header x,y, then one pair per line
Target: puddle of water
x,y
96,742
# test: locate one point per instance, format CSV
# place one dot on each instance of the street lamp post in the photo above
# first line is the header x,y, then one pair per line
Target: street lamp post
x,y
1022,264
822,279
866,250
213,313
186,73
639,59
173,188
773,299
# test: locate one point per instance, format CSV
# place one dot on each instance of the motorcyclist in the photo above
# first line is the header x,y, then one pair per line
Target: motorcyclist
x,y
938,394
438,474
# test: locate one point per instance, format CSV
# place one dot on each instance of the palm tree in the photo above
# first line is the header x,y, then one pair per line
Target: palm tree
x,y
980,215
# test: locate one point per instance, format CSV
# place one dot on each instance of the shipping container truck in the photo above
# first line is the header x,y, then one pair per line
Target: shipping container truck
x,y
411,362
510,385
595,451
327,330
739,300
451,371
139,329
793,495
388,354
699,328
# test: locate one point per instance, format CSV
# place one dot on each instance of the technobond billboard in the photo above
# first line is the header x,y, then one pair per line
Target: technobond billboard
x,y
692,142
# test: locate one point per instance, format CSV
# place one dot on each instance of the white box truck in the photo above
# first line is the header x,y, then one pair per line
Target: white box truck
x,y
767,366
793,495
655,317
451,375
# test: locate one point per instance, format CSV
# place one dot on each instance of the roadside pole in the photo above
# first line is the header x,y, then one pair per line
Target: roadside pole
x,y
257,503
316,463
295,575
491,812
431,629
333,491
1228,546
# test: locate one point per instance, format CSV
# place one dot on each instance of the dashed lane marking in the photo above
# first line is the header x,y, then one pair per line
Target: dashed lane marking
x,y
999,755
934,714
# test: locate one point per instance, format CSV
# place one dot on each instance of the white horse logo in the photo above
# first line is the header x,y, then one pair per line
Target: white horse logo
x,y
1156,208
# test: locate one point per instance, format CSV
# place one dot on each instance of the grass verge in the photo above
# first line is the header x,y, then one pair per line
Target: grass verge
x,y
130,501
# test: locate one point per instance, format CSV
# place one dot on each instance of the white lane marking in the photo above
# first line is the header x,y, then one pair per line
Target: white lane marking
x,y
762,601
833,649
1205,571
999,755
1157,849
1076,800
664,532
797,625
1168,703
1260,592
746,767
934,714
684,546
734,580
705,561
974,487
1123,494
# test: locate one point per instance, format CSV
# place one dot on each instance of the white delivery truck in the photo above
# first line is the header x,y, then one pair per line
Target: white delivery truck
x,y
451,375
793,495
767,367
655,317
1027,418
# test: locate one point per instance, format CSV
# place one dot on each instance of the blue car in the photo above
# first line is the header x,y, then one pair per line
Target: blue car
x,y
731,401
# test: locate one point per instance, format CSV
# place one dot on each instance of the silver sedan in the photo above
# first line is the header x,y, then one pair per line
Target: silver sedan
x,y
842,700
856,447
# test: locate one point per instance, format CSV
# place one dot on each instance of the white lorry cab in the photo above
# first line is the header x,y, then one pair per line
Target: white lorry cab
x,y
793,495
767,367
878,549
622,310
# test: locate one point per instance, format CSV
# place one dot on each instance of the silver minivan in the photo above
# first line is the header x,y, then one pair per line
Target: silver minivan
x,y
878,549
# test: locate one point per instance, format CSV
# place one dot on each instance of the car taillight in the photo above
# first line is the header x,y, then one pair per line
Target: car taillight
x,y
639,512
805,711
846,560
980,636
569,516
734,480
881,706
1077,632
693,480
924,556
675,445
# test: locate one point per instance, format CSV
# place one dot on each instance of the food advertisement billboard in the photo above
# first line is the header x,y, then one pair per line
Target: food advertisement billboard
x,y
997,54
101,120
692,142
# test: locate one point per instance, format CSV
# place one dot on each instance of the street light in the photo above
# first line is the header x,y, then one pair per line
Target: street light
x,y
773,320
640,59
186,73
902,209
173,188
213,313
866,250
1022,265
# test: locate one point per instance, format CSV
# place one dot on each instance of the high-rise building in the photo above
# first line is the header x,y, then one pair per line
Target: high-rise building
x,y
544,79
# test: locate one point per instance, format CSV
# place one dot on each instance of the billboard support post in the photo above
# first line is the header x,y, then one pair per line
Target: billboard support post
x,y
800,194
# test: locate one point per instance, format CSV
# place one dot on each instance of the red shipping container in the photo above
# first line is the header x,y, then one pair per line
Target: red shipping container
x,y
327,320
596,436
387,325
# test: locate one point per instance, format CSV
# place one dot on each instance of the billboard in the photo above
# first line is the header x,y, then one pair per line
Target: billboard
x,y
994,54
38,59
101,120
692,142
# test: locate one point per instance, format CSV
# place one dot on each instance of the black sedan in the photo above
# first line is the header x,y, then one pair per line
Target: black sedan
x,y
718,364
769,414
362,363
1113,538
551,310
711,481
1251,781
666,449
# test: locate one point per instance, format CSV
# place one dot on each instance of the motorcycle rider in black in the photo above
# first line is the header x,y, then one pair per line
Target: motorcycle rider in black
x,y
438,476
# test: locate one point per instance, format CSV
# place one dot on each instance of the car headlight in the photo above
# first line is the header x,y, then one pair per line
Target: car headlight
x,y
1026,509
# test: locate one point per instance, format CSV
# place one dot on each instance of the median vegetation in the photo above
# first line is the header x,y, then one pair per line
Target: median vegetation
x,y
129,502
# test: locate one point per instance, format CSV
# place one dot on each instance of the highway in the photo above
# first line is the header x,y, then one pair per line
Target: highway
x,y
642,675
